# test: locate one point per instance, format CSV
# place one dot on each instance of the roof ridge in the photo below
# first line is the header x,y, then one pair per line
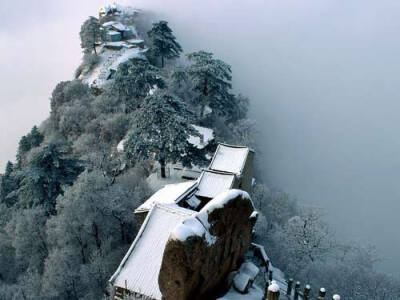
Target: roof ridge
x,y
175,209
219,172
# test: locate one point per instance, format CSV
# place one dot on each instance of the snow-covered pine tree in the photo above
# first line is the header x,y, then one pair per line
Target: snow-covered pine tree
x,y
33,139
212,81
178,77
160,131
133,82
164,44
47,171
8,184
90,34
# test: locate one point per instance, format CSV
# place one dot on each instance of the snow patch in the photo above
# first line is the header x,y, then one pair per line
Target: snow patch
x,y
120,146
111,59
241,282
219,202
198,225
192,227
254,293
250,269
207,135
273,287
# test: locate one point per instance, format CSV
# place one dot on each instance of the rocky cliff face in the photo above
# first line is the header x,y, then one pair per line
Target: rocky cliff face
x,y
206,247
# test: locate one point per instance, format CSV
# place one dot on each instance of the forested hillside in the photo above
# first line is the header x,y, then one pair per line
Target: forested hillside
x,y
66,202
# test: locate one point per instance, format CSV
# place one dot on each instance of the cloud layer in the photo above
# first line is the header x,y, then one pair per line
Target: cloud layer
x,y
323,77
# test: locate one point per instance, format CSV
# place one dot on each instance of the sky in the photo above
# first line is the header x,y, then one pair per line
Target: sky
x,y
322,76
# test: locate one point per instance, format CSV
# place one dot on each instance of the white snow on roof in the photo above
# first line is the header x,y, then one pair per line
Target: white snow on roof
x,y
113,32
120,27
212,183
207,136
119,8
108,24
115,44
169,194
229,159
135,41
262,252
140,267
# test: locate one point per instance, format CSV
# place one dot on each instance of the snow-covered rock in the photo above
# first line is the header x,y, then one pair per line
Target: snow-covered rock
x,y
273,287
254,293
241,282
250,269
208,245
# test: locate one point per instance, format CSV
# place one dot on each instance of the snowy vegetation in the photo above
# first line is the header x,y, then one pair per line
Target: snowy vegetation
x,y
66,203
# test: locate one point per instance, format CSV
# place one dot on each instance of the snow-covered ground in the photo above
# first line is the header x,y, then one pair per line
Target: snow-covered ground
x,y
109,59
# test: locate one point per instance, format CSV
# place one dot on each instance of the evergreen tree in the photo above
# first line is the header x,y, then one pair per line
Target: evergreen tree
x,y
69,96
133,82
46,172
161,131
92,230
212,82
27,226
33,139
178,77
238,110
23,145
90,34
8,184
164,44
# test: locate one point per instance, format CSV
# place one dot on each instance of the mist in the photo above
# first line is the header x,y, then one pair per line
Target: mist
x,y
322,77
39,47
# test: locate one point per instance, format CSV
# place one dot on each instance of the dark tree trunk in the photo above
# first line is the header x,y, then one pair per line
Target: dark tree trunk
x,y
162,61
96,236
121,226
94,48
204,98
83,253
163,175
202,108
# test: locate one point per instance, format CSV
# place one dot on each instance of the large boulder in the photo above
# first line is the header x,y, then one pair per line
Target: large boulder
x,y
205,248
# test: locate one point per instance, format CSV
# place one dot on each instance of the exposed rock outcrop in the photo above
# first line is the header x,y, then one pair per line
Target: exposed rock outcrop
x,y
202,250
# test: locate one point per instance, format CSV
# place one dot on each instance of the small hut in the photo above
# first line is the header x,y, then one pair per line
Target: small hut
x,y
113,36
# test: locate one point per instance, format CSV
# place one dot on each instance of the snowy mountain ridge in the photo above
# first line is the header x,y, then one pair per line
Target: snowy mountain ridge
x,y
114,48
